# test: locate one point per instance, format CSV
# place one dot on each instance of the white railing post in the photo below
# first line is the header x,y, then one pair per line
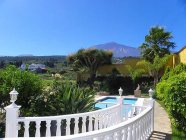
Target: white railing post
x,y
151,93
152,116
120,102
12,112
151,103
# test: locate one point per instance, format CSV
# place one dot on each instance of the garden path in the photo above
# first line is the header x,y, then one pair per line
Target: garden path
x,y
162,125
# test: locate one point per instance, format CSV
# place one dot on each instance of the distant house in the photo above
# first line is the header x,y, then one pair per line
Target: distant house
x,y
23,66
39,68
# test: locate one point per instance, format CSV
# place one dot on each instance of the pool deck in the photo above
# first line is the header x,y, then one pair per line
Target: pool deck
x,y
162,125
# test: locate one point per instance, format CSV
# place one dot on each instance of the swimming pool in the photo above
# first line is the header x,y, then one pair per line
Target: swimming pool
x,y
110,101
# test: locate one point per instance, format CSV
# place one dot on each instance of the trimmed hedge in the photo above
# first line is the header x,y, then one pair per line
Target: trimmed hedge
x,y
172,91
113,82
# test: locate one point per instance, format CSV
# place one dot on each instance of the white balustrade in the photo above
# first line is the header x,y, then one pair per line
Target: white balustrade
x,y
83,122
136,128
73,123
114,123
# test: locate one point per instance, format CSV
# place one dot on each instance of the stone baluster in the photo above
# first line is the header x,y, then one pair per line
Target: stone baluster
x,y
149,124
96,122
134,131
37,134
76,121
26,127
90,123
84,124
68,126
129,132
99,121
58,131
137,129
48,133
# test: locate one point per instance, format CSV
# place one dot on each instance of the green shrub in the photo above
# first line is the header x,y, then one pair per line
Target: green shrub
x,y
175,100
171,72
26,83
172,91
63,98
113,82
161,90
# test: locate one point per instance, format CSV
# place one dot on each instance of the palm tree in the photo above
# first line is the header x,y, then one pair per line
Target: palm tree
x,y
157,43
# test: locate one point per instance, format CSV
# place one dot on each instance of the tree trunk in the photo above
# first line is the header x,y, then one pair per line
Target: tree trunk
x,y
92,79
156,77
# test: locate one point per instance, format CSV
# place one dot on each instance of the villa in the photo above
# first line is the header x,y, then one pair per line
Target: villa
x,y
34,67
177,58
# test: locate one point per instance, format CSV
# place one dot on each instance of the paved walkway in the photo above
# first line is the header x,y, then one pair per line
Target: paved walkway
x,y
162,125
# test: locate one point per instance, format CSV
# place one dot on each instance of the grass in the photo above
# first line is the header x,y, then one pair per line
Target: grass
x,y
177,134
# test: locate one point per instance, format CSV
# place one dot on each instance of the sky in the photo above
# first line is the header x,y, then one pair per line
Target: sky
x,y
61,27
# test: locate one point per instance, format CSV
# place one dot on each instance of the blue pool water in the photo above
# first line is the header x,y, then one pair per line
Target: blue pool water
x,y
110,101
129,101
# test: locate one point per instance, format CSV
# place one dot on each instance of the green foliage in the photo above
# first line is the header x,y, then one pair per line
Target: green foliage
x,y
156,67
63,98
178,134
115,71
175,99
89,60
26,83
145,83
172,91
161,90
135,72
113,82
157,43
171,72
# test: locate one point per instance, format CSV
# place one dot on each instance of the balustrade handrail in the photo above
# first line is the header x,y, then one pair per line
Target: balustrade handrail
x,y
117,126
102,132
70,124
20,119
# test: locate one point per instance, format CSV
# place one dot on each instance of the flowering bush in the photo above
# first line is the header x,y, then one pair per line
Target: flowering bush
x,y
63,98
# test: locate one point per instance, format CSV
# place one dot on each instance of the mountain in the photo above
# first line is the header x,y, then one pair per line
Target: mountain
x,y
119,50
21,55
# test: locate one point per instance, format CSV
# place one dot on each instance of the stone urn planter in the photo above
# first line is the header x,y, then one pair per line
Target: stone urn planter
x,y
137,93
